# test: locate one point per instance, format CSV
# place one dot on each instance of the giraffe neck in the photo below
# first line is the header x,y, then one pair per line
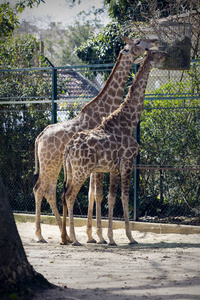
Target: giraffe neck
x,y
128,115
110,97
135,98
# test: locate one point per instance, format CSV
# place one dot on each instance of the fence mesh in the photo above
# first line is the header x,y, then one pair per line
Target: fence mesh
x,y
168,166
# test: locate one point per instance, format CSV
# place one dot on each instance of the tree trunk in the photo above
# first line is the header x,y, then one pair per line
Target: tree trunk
x,y
16,274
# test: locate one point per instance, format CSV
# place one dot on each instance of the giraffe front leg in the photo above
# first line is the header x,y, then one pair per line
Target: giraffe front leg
x,y
99,197
52,202
114,180
71,226
90,208
125,181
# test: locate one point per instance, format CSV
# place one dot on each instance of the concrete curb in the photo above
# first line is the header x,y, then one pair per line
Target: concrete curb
x,y
139,226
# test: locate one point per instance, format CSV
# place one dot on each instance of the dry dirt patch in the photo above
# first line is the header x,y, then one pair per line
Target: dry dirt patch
x,y
161,266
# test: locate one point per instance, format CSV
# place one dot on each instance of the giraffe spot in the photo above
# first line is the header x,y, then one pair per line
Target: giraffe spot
x,y
48,155
106,144
108,155
113,146
123,74
140,107
128,153
44,143
110,164
115,85
126,131
120,93
125,141
101,110
57,141
93,123
60,134
111,92
91,165
136,94
50,147
113,139
93,160
120,152
107,107
116,76
91,142
104,98
85,161
56,153
118,138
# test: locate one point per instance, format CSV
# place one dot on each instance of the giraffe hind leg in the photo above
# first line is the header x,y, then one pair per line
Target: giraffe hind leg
x,y
38,230
91,197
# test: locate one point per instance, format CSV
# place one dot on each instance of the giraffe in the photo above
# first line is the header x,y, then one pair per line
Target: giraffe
x,y
110,147
50,143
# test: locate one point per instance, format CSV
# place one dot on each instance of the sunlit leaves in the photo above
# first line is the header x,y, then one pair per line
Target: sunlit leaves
x,y
9,15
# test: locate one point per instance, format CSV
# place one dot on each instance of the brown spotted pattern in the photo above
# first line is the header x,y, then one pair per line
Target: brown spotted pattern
x,y
111,147
49,145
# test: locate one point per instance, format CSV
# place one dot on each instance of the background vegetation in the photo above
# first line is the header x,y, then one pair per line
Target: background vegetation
x,y
169,129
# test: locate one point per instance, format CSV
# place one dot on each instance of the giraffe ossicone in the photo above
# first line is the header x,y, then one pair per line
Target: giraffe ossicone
x,y
111,147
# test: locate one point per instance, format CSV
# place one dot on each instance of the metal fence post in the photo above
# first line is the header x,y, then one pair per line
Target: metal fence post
x,y
136,177
136,171
54,95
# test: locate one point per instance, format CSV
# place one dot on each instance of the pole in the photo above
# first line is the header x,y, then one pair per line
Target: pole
x,y
54,95
136,177
136,171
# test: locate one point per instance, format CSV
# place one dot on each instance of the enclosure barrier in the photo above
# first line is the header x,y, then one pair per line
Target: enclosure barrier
x,y
165,184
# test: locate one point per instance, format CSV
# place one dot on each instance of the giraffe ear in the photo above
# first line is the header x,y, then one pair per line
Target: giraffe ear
x,y
138,60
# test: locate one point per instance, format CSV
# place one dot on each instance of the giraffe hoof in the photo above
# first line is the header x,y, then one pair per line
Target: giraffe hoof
x,y
133,243
76,244
102,242
93,241
42,241
64,243
112,244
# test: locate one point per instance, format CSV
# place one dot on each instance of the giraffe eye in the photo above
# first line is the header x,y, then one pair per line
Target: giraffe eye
x,y
137,43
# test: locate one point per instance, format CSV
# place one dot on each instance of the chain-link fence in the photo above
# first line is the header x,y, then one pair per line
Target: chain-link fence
x,y
165,185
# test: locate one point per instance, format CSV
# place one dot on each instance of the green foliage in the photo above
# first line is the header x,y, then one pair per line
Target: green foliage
x,y
135,10
8,15
123,10
104,47
20,123
8,19
170,138
75,36
17,52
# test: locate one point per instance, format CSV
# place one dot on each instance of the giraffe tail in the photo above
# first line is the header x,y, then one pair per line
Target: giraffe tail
x,y
36,174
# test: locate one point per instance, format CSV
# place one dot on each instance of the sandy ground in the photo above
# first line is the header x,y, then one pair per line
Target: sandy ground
x,y
159,267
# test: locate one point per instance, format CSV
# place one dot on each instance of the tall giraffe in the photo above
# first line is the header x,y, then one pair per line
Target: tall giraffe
x,y
111,147
50,143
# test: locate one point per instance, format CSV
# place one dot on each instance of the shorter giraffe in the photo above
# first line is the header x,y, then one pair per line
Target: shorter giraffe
x,y
111,147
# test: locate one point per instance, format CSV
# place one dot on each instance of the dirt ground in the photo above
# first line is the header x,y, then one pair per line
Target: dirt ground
x,y
161,266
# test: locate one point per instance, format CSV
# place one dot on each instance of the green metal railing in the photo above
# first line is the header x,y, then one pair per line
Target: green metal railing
x,y
49,105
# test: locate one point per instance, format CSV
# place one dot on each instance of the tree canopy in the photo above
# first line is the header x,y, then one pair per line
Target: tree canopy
x,y
9,15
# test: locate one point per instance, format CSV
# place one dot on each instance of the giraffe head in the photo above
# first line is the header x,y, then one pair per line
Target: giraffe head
x,y
136,47
153,56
